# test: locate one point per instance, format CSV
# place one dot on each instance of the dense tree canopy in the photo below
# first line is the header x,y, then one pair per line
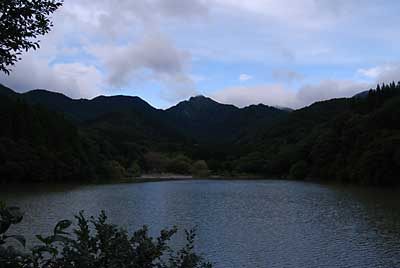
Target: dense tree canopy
x,y
21,22
354,140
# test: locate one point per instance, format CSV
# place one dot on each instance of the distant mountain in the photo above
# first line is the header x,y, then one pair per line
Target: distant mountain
x,y
39,145
48,136
84,110
7,91
362,94
199,119
206,120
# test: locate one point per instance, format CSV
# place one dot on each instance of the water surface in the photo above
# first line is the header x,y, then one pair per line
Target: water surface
x,y
240,223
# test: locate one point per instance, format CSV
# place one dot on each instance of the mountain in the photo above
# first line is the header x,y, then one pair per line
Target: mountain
x,y
353,140
199,119
207,121
38,145
7,91
48,136
84,110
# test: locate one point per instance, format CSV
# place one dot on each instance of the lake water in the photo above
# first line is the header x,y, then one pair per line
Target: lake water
x,y
239,223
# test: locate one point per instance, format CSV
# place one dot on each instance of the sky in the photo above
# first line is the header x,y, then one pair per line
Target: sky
x,y
286,53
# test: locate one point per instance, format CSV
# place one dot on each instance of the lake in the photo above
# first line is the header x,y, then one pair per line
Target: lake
x,y
239,223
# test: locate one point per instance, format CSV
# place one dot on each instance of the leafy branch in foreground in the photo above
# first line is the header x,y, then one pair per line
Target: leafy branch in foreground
x,y
94,243
21,21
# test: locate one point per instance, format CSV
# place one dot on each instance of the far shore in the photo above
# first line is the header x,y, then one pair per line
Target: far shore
x,y
155,177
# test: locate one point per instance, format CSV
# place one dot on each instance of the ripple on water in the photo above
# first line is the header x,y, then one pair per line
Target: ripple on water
x,y
240,223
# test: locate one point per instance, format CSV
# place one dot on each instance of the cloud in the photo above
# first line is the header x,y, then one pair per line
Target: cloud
x,y
328,89
245,77
383,73
309,14
153,58
152,48
287,76
108,45
273,95
185,8
279,95
76,80
154,53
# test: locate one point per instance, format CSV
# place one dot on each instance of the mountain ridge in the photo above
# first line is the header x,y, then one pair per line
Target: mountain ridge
x,y
192,118
355,140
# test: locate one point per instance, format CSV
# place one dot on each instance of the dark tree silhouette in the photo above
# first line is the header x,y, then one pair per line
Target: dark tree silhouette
x,y
21,22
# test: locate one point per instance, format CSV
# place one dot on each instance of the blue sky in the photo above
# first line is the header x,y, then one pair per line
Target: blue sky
x,y
281,53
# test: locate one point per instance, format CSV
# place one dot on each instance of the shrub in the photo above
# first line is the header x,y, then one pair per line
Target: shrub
x,y
94,243
200,169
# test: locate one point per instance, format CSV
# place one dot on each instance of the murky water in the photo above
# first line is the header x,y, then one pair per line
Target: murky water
x,y
240,223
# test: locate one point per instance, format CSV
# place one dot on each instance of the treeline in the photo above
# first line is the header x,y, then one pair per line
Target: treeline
x,y
353,140
39,145
35,143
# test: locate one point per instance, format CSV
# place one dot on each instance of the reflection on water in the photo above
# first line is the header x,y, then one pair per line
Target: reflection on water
x,y
239,223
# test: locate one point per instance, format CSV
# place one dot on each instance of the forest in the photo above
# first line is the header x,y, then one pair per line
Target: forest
x,y
46,136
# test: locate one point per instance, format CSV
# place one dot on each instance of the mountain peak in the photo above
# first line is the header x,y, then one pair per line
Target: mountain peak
x,y
200,98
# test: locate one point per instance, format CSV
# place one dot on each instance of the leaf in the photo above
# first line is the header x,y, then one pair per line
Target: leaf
x,y
4,225
20,238
15,214
62,225
42,239
60,238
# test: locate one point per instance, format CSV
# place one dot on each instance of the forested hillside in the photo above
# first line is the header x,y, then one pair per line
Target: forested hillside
x,y
353,140
49,137
40,145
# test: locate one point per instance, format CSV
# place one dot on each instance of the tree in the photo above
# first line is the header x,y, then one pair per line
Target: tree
x,y
200,169
299,171
181,164
21,22
134,170
155,162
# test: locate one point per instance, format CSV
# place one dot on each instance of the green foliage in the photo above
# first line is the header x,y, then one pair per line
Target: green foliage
x,y
155,161
179,165
37,145
112,170
94,243
21,21
353,140
299,170
200,169
134,170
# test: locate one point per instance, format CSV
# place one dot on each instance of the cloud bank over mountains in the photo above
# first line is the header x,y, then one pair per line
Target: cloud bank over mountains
x,y
239,52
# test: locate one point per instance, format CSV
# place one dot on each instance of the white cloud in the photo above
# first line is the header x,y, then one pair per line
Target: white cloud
x,y
245,77
279,95
154,53
83,81
383,73
153,58
306,14
328,89
154,43
76,80
287,76
273,95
